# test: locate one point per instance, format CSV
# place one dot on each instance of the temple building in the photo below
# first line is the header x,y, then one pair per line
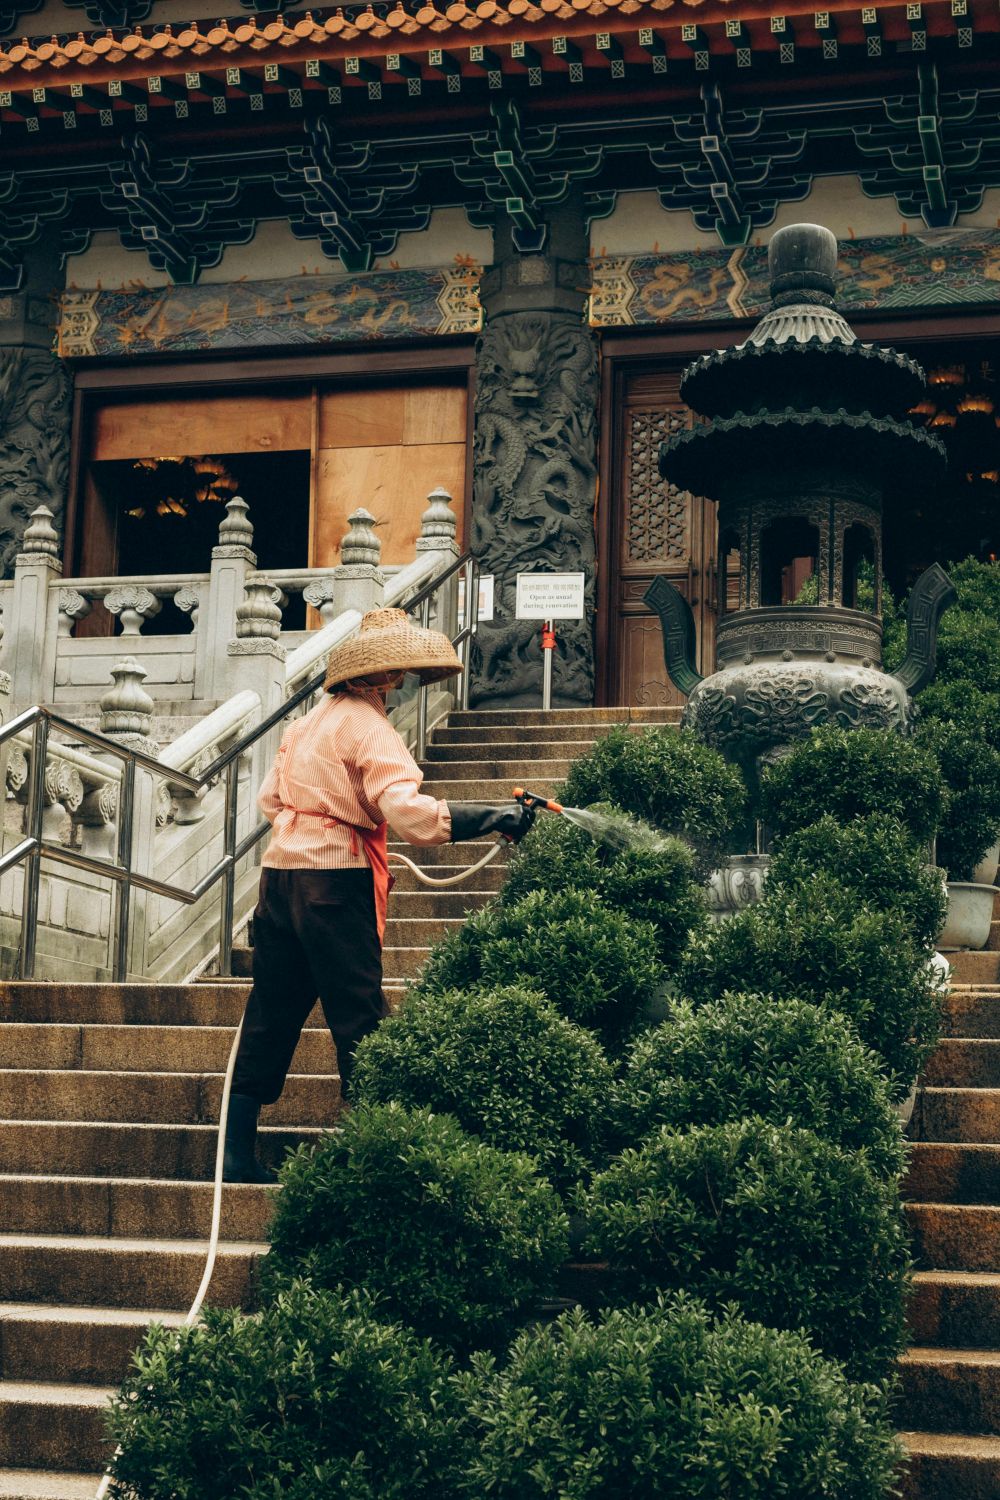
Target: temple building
x,y
337,257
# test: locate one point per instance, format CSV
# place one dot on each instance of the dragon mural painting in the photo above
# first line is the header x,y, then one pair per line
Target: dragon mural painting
x,y
533,498
34,443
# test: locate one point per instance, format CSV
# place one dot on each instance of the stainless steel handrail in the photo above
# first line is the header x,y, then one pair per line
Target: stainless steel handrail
x,y
33,847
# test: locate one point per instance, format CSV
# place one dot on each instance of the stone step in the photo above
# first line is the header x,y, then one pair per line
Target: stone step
x,y
982,967
37,1484
94,1271
146,1049
135,1208
950,1466
955,1236
86,1345
523,734
524,771
953,1172
478,752
950,1390
966,1115
972,1012
483,717
454,902
184,1153
57,1426
486,882
420,932
402,965
956,1309
964,1062
216,1003
154,1098
461,855
495,790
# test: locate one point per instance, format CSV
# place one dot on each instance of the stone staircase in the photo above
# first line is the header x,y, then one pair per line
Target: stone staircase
x,y
951,1375
109,1096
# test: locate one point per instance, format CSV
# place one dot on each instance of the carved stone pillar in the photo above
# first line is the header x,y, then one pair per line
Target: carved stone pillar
x,y
35,403
535,459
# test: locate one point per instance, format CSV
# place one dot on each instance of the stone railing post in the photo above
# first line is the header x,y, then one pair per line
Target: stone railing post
x,y
357,582
438,532
256,663
127,718
32,615
232,561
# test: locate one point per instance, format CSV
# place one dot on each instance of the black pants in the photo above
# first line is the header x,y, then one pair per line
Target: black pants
x,y
314,936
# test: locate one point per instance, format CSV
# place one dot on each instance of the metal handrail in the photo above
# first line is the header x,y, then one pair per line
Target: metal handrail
x,y
33,847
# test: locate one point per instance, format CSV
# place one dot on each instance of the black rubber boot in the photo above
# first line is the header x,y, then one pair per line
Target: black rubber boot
x,y
240,1163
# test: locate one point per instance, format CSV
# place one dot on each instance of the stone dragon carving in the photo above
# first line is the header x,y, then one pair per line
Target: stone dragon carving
x,y
34,443
533,497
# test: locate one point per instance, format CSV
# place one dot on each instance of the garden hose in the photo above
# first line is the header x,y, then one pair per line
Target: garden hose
x,y
213,1241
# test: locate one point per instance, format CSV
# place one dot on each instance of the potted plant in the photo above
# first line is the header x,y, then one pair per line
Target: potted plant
x,y
970,826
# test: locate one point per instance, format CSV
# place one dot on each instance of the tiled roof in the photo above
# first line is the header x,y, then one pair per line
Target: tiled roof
x,y
407,29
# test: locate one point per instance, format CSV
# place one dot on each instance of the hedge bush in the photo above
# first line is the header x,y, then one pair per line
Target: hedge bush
x,y
796,1231
598,967
454,1237
667,778
827,947
507,1066
850,773
313,1396
969,708
968,649
781,1060
873,856
654,884
666,1404
971,770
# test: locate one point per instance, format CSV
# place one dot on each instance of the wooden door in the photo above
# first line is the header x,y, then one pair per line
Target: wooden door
x,y
656,529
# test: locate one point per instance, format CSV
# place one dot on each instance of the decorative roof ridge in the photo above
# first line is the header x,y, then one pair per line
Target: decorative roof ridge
x,y
813,416
814,345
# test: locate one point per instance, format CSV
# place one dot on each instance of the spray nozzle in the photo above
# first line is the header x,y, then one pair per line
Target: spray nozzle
x,y
533,799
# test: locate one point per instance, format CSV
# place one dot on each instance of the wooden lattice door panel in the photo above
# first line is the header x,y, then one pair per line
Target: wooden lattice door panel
x,y
657,530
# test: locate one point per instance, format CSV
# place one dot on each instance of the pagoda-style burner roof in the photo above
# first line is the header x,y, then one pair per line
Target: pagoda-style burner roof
x,y
717,459
829,374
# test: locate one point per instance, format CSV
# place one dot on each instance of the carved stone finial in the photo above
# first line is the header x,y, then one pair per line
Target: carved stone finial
x,y
437,524
72,607
133,604
126,708
40,536
258,616
237,528
188,601
361,543
802,258
322,595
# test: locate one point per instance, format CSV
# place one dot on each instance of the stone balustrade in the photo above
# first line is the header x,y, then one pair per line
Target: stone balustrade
x,y
233,664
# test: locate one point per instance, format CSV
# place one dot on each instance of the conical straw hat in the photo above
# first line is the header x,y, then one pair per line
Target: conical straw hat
x,y
388,641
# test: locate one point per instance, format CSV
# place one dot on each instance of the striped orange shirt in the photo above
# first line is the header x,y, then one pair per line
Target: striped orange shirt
x,y
344,764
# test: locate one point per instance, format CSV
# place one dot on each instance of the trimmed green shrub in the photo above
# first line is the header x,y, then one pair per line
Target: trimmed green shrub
x,y
653,884
968,649
873,856
971,772
667,778
976,713
453,1236
849,773
781,1060
825,946
506,1065
664,1403
795,1231
978,586
313,1396
597,966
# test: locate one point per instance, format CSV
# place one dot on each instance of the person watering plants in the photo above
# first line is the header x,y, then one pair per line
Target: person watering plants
x,y
341,775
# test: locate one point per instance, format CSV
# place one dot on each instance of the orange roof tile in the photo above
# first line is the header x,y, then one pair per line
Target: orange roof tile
x,y
163,48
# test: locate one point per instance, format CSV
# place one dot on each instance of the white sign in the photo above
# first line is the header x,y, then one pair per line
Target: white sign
x,y
485,596
550,596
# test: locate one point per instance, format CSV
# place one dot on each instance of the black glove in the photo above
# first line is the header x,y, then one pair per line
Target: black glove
x,y
472,820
